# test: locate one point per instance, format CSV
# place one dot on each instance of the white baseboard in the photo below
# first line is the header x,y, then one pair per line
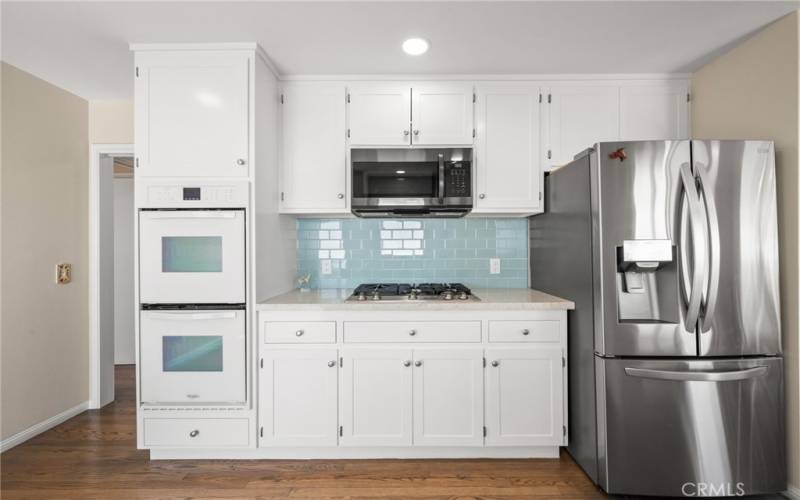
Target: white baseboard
x,y
39,428
792,492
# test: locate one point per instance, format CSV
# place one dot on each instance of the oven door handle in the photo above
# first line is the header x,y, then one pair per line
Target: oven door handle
x,y
180,214
181,316
441,178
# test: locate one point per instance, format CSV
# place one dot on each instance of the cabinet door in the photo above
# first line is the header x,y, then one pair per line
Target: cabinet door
x,y
192,114
524,396
298,397
654,111
313,153
579,116
509,173
442,114
448,397
376,397
380,115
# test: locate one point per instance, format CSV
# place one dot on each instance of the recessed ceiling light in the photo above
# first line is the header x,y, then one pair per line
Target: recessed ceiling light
x,y
415,46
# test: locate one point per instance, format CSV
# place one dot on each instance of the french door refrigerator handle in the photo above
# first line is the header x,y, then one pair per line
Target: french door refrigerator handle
x,y
709,305
698,271
691,376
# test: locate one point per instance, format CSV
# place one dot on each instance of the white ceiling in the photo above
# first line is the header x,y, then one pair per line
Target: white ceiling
x,y
83,46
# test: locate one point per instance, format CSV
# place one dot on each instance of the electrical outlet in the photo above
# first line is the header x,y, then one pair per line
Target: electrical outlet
x,y
494,266
326,266
63,273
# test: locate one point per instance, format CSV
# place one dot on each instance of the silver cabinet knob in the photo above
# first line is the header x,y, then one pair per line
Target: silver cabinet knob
x,y
526,331
331,363
416,132
194,433
240,161
406,363
405,133
299,333
495,363
340,196
481,196
412,332
418,363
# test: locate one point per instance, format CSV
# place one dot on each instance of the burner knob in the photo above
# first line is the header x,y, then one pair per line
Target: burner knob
x,y
463,296
362,296
376,296
447,295
412,296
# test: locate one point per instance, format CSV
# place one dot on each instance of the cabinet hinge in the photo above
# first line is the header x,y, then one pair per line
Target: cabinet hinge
x,y
282,99
281,195
549,98
262,362
688,97
261,432
540,98
540,196
137,71
348,133
474,97
564,430
341,431
549,154
474,133
341,362
484,362
137,162
348,98
563,361
484,431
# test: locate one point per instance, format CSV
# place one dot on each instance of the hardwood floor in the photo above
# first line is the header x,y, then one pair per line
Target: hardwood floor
x,y
94,456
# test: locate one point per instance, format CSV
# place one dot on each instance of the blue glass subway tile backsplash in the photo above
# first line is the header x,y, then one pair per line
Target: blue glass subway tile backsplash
x,y
411,250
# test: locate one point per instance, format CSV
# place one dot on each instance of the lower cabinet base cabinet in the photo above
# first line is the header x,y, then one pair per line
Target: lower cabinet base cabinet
x,y
524,396
298,396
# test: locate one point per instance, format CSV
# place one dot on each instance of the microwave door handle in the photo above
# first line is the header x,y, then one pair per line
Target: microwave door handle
x,y
441,178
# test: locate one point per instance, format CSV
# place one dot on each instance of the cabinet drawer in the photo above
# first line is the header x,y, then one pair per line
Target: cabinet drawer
x,y
524,331
412,331
299,332
196,432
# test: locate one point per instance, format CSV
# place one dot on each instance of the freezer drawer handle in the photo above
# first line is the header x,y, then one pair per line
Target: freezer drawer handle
x,y
726,376
193,316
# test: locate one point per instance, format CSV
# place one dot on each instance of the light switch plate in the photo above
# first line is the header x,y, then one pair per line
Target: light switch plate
x,y
326,266
63,273
494,266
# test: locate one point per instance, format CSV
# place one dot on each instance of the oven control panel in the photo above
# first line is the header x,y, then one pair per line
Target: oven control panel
x,y
179,195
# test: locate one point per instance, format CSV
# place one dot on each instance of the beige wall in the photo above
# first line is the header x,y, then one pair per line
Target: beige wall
x,y
111,122
44,336
752,92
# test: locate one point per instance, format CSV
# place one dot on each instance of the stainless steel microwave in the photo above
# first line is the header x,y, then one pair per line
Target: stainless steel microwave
x,y
411,182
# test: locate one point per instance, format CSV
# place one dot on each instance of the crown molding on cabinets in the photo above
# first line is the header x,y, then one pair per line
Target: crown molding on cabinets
x,y
143,47
490,77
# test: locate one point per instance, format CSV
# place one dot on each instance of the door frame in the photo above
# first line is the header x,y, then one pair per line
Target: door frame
x,y
95,362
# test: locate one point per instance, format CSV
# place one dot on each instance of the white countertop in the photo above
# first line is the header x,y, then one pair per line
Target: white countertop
x,y
511,299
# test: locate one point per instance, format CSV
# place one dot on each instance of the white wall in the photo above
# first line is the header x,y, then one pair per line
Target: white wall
x,y
753,92
111,122
124,309
43,205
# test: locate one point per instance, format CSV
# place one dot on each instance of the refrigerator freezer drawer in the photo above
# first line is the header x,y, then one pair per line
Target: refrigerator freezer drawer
x,y
691,427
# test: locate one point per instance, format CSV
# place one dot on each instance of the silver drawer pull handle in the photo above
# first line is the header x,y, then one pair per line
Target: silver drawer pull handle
x,y
412,332
194,433
495,363
331,363
299,333
192,396
406,363
526,331
417,363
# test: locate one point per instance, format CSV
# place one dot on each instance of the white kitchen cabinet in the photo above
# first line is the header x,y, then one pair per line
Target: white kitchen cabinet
x,y
380,115
448,397
524,396
313,168
298,397
579,115
654,111
508,148
442,113
376,397
192,112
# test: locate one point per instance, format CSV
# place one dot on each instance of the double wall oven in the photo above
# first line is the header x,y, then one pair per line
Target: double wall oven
x,y
192,293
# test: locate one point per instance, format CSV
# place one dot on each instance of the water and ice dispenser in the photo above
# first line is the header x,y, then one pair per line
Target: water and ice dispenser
x,y
647,282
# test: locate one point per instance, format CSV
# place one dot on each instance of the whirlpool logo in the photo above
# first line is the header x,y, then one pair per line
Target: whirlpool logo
x,y
713,490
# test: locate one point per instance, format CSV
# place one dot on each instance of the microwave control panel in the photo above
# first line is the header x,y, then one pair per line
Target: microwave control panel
x,y
458,183
201,195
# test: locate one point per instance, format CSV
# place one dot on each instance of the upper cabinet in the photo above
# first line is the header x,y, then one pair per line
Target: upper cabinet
x,y
430,114
580,115
193,113
508,147
380,115
313,164
654,111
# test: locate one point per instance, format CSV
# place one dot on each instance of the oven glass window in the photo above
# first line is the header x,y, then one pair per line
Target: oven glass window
x,y
192,353
191,254
395,179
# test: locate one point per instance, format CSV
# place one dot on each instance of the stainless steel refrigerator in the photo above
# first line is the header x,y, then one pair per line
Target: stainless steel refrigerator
x,y
669,250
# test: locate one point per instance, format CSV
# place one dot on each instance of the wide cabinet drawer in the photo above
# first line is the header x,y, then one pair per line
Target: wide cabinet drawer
x,y
524,331
412,331
196,432
298,332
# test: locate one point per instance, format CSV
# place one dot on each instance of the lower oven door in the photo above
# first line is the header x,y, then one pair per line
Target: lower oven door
x,y
193,356
691,428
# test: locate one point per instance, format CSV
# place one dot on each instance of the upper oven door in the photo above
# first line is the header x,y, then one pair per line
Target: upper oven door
x,y
411,178
192,256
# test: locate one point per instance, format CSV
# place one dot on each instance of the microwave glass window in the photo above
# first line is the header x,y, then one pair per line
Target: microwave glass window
x,y
192,353
396,179
191,254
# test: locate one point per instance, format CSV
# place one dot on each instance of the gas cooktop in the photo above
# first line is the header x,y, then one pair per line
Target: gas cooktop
x,y
419,291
